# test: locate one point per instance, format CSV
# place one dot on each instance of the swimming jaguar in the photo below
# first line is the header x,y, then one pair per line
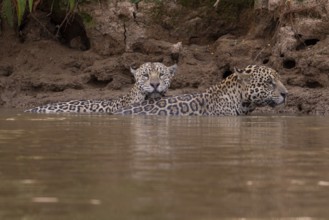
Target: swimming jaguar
x,y
238,94
152,80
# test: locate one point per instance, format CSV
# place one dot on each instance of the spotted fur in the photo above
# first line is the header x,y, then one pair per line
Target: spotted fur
x,y
238,94
152,80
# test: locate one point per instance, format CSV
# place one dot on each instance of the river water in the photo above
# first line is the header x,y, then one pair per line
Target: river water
x,y
126,167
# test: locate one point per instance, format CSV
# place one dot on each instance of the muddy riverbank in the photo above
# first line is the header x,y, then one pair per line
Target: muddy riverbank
x,y
292,39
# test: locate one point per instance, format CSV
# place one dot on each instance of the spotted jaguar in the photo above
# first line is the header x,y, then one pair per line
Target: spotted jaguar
x,y
152,80
238,94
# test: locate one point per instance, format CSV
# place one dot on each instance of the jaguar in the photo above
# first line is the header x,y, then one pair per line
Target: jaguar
x,y
238,94
152,80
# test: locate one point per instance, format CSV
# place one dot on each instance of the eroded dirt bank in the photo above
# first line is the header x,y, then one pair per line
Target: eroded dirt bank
x,y
292,38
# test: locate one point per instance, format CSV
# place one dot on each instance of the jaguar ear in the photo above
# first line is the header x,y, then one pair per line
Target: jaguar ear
x,y
172,69
243,76
237,70
133,71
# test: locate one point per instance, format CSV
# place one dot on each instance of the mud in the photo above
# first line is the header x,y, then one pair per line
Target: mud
x,y
293,40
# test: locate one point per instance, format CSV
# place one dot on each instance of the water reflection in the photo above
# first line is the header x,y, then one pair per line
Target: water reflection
x,y
109,167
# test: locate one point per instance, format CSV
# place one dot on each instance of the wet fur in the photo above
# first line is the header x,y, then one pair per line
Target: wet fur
x,y
238,94
152,80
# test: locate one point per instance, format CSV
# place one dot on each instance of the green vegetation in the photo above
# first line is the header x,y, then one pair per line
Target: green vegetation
x,y
13,11
7,13
87,19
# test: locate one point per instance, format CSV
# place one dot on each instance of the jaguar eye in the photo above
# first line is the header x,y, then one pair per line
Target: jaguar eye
x,y
271,82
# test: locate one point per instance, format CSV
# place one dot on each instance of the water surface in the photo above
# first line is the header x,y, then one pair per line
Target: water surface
x,y
116,167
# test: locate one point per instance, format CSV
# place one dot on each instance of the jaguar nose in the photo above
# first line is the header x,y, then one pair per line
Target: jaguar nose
x,y
284,94
155,85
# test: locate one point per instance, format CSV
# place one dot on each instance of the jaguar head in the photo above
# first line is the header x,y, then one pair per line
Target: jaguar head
x,y
262,86
153,78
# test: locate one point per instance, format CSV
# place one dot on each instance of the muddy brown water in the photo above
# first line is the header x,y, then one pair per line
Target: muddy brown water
x,y
203,168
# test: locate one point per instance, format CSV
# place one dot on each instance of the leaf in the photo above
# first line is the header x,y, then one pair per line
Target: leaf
x,y
21,4
7,12
31,5
71,4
